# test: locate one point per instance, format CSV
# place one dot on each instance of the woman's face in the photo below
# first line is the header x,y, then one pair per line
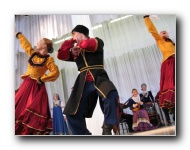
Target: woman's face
x,y
135,92
40,44
55,96
143,88
164,34
41,47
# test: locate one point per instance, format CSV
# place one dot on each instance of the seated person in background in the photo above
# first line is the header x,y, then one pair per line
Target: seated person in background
x,y
146,95
148,99
141,120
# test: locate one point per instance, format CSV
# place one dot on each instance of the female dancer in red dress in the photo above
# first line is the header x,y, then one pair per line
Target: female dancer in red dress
x,y
167,77
32,113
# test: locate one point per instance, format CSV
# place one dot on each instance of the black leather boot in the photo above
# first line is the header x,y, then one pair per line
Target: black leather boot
x,y
107,129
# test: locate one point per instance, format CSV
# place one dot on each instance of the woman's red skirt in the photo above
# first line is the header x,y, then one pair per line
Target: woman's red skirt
x,y
167,84
32,112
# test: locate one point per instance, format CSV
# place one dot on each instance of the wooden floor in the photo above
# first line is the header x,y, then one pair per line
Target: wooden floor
x,y
161,131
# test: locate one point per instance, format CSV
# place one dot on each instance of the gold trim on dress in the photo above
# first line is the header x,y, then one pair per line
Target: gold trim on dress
x,y
167,91
17,121
36,113
141,120
32,127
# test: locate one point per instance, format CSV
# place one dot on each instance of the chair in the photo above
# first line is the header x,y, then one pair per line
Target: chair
x,y
123,127
152,113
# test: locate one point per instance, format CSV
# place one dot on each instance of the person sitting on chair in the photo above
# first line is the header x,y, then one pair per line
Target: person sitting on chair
x,y
146,95
141,121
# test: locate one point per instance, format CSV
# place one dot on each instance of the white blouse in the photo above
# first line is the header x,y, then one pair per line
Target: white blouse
x,y
56,103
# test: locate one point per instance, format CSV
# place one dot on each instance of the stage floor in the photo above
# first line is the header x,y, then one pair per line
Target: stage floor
x,y
161,131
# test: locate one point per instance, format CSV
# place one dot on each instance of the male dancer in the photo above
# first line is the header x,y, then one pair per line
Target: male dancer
x,y
91,83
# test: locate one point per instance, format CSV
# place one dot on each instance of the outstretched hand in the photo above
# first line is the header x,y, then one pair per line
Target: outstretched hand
x,y
154,17
17,33
38,81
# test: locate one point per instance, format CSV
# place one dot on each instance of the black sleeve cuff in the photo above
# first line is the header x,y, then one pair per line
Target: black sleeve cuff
x,y
146,16
18,34
41,80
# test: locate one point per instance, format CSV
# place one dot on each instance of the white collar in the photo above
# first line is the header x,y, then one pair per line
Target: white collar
x,y
137,98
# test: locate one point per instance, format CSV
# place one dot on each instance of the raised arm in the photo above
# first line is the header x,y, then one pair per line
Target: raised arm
x,y
25,44
54,71
64,51
92,44
151,28
89,44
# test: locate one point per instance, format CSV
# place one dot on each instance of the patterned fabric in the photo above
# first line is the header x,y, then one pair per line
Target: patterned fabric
x,y
141,121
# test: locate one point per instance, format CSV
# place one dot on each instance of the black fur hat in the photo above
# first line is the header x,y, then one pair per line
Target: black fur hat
x,y
81,29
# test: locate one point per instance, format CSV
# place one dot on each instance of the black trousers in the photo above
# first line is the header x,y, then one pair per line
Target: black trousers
x,y
166,112
129,119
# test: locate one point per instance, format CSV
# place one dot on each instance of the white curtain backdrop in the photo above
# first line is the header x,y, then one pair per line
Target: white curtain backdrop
x,y
36,27
131,56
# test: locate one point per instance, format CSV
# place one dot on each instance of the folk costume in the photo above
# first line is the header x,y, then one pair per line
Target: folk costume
x,y
167,77
91,83
59,123
32,113
147,96
141,121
